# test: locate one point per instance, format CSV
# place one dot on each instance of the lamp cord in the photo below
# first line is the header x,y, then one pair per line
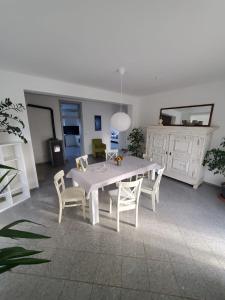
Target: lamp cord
x,y
121,90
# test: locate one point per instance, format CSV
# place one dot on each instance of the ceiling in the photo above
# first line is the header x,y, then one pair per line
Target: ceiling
x,y
162,44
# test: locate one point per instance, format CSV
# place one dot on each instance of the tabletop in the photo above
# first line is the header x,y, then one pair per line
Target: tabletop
x,y
105,173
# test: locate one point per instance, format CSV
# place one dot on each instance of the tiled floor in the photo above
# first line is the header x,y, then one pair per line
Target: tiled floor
x,y
176,253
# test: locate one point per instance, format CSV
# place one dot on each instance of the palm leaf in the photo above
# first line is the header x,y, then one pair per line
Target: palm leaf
x,y
12,257
5,186
22,261
15,234
18,222
3,177
7,167
14,252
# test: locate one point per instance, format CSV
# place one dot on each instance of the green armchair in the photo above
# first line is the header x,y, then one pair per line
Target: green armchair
x,y
98,148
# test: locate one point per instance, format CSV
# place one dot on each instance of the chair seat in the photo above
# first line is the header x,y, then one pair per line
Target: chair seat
x,y
73,194
147,184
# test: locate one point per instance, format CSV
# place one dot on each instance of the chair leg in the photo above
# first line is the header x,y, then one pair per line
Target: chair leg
x,y
83,208
153,202
118,220
136,217
103,188
157,196
110,205
60,214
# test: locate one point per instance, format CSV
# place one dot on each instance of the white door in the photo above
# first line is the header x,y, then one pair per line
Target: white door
x,y
179,154
158,147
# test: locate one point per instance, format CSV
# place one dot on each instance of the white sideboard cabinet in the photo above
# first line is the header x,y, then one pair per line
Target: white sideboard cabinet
x,y
180,149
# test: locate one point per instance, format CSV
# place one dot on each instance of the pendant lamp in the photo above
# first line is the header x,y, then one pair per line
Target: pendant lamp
x,y
120,120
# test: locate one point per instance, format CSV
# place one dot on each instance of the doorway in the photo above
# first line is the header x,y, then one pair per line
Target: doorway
x,y
114,139
71,129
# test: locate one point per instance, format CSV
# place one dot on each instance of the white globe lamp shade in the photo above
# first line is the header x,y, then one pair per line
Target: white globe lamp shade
x,y
120,121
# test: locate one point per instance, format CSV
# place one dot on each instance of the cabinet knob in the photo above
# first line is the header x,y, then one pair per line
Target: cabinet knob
x,y
166,152
170,153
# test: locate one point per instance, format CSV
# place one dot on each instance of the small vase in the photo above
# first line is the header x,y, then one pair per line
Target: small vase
x,y
118,163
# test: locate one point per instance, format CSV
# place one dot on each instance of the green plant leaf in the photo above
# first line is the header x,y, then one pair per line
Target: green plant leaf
x,y
4,176
5,269
7,110
7,167
18,222
15,234
215,159
5,186
22,261
14,252
25,261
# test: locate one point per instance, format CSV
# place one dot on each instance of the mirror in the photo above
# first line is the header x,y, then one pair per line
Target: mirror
x,y
196,115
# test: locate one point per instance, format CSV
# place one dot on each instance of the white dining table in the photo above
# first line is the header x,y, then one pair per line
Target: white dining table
x,y
105,173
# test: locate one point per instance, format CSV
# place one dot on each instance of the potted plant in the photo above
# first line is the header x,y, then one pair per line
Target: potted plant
x,y
136,139
9,122
215,161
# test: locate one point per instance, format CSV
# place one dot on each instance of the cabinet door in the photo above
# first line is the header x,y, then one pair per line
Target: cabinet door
x,y
179,155
197,154
198,147
157,148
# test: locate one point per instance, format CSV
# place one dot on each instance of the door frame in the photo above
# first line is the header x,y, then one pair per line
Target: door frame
x,y
65,101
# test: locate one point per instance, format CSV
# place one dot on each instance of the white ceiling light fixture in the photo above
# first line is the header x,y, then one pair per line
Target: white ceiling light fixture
x,y
120,120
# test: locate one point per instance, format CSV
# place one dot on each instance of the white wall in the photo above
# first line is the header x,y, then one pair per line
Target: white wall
x,y
13,85
48,101
89,110
41,131
201,94
40,124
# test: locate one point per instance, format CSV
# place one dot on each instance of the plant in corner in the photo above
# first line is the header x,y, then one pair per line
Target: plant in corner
x,y
215,161
12,257
9,122
136,139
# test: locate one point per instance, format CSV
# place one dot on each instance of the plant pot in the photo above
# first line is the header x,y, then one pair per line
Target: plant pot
x,y
223,189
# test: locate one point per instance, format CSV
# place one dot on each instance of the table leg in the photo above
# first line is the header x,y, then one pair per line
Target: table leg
x,y
153,175
93,207
75,183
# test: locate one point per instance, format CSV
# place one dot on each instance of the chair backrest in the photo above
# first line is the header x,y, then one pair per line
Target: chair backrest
x,y
59,183
147,157
129,192
158,179
111,154
78,159
96,142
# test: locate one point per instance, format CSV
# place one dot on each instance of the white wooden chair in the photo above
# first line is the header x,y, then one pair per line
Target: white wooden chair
x,y
152,187
68,197
145,156
78,160
148,174
111,154
127,198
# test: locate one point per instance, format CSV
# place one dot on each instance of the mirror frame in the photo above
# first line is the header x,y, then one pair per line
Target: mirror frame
x,y
188,106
